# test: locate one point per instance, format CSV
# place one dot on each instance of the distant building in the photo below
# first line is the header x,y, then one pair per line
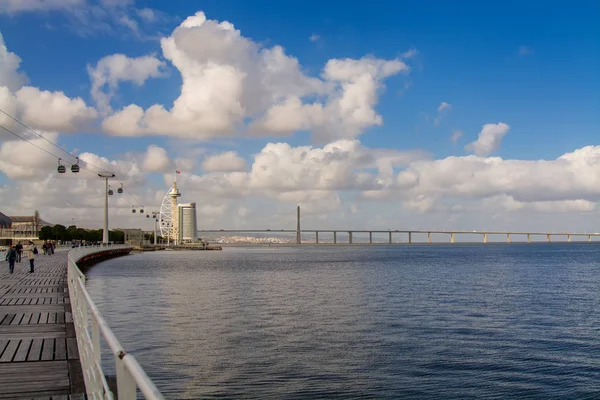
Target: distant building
x,y
188,227
134,237
5,222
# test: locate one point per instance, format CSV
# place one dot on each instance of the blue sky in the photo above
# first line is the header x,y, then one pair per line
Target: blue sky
x,y
530,65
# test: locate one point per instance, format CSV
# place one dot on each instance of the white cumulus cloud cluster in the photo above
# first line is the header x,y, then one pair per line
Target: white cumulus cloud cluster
x,y
111,70
39,109
229,79
489,139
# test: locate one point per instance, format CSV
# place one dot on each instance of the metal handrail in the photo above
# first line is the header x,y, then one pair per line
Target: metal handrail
x,y
89,325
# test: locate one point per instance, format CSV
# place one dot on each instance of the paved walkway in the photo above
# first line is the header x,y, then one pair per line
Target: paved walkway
x,y
38,349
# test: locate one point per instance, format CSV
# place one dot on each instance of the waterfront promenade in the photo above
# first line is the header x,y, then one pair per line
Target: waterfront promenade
x,y
38,349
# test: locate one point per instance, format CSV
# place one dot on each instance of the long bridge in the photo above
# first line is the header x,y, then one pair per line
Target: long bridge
x,y
408,234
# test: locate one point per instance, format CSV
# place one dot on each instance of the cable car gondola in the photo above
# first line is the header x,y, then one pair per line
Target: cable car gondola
x,y
75,167
120,190
61,168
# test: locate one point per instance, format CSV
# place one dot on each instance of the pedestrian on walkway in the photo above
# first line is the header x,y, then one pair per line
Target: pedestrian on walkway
x,y
19,249
11,257
31,253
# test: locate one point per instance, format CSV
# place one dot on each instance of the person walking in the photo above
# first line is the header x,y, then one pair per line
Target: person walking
x,y
19,249
11,257
31,253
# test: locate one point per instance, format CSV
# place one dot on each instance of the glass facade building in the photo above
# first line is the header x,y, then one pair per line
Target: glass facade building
x,y
188,227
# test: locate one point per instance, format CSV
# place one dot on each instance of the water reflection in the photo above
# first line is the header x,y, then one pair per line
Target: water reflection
x,y
386,322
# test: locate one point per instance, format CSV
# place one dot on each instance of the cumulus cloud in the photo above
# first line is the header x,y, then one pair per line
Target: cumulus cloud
x,y
156,159
40,109
110,70
229,79
224,162
489,139
52,111
10,76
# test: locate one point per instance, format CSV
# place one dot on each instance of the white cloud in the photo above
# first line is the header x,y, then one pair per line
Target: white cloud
x,y
156,159
410,54
314,37
442,111
40,109
224,162
52,111
9,66
111,70
119,17
444,106
489,139
229,79
15,6
456,135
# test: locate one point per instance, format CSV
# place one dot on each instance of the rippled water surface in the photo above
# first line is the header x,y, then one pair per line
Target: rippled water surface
x,y
496,321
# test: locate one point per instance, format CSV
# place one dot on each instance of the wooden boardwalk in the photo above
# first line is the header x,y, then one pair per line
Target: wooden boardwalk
x,y
38,349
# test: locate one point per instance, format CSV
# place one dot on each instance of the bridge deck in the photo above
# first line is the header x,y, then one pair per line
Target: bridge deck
x,y
38,349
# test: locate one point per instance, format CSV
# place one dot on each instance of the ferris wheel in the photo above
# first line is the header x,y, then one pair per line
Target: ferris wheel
x,y
167,219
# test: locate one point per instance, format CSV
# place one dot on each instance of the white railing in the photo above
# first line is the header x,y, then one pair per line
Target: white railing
x,y
89,324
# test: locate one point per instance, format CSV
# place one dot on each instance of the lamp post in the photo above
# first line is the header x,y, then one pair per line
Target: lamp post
x,y
105,231
155,215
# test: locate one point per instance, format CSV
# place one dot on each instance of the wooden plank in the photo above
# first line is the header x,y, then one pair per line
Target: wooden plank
x,y
60,318
48,350
35,353
10,350
21,368
60,349
23,350
8,319
26,318
72,349
17,319
43,318
3,343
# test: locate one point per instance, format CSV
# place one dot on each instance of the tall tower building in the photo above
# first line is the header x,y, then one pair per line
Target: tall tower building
x,y
188,228
174,194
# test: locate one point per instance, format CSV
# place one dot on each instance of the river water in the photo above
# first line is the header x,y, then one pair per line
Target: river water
x,y
451,322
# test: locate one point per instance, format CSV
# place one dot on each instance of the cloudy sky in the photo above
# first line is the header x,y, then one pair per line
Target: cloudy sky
x,y
393,116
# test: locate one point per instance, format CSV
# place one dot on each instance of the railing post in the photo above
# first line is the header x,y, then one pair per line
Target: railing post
x,y
508,238
334,237
589,238
429,237
529,238
371,237
409,237
485,238
126,388
452,237
96,341
390,237
317,237
569,238
548,237
350,237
